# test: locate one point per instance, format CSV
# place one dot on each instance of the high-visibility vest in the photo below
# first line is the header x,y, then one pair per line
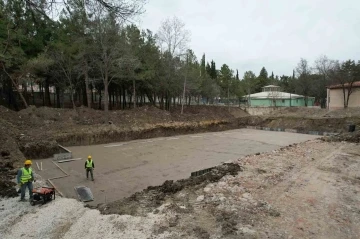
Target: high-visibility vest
x,y
26,175
89,163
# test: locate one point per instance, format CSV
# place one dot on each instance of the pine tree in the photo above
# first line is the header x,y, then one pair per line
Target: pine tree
x,y
208,69
203,66
213,73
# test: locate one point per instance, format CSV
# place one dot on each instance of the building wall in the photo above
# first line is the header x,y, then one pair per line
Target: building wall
x,y
335,98
281,103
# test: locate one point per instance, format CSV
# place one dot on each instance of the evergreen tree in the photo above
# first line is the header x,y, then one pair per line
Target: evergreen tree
x,y
208,69
203,66
213,72
262,80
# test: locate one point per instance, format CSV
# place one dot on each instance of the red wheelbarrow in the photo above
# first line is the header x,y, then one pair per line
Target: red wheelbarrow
x,y
42,195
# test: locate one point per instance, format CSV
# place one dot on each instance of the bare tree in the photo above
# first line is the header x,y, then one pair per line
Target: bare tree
x,y
121,9
15,79
323,67
128,65
108,48
304,86
173,38
345,74
65,64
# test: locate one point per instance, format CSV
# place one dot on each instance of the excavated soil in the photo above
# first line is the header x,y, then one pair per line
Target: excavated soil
x,y
332,125
35,132
153,197
315,112
353,137
270,195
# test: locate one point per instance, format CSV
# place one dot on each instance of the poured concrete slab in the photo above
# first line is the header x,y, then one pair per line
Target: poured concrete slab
x,y
122,169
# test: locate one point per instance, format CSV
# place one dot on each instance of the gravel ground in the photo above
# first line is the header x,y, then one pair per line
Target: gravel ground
x,y
68,218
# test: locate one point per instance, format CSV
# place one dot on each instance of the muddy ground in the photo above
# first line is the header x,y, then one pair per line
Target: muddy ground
x,y
35,132
307,190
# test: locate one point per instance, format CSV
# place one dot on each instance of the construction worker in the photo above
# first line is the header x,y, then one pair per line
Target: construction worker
x,y
25,178
89,167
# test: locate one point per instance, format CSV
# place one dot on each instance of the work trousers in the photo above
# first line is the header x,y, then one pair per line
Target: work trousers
x,y
28,185
91,172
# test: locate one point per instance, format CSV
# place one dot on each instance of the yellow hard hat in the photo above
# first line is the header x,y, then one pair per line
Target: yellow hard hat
x,y
89,157
28,162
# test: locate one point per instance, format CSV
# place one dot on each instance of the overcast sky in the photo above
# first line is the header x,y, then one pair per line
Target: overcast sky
x,y
249,34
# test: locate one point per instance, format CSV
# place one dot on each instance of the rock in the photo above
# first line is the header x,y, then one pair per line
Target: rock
x,y
247,196
247,231
200,198
207,190
222,184
222,199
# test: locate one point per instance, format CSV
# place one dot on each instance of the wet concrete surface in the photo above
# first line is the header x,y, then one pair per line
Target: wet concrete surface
x,y
122,169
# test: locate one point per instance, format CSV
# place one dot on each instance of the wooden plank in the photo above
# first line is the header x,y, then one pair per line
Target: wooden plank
x,y
69,160
52,184
61,168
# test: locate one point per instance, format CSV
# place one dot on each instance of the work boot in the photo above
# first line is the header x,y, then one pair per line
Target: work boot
x,y
22,200
92,179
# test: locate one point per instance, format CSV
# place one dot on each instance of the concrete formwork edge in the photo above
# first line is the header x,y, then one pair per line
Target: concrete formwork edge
x,y
61,156
292,130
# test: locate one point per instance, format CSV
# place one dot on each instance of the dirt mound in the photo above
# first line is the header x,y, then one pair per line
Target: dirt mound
x,y
349,112
39,149
353,137
9,153
153,197
201,113
315,112
299,112
324,124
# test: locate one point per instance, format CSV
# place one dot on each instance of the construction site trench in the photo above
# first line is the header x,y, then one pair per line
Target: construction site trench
x,y
144,159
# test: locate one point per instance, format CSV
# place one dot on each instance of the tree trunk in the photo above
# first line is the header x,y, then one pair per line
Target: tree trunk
x,y
228,93
47,92
134,93
32,93
182,105
58,97
100,96
16,87
110,101
42,94
72,98
92,99
87,88
117,96
89,98
124,97
106,93
348,95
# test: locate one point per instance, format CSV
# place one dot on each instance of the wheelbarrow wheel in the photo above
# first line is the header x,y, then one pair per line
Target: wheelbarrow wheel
x,y
32,202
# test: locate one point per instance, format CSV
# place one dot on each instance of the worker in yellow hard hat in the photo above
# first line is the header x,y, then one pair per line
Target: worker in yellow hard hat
x,y
25,178
89,167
